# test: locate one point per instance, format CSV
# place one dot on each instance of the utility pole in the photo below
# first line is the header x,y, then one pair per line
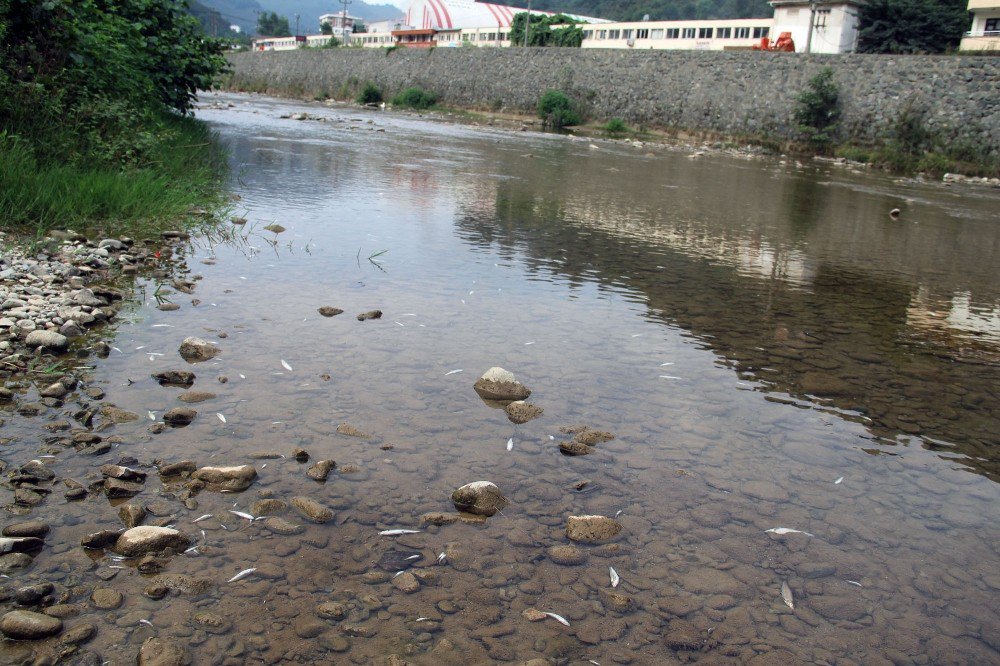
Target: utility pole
x,y
527,26
812,22
296,25
343,22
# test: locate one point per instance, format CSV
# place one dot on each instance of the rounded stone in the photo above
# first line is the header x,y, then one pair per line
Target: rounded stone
x,y
480,497
567,555
107,599
149,539
28,625
592,529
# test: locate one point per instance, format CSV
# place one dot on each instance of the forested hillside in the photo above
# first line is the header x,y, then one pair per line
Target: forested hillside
x,y
634,10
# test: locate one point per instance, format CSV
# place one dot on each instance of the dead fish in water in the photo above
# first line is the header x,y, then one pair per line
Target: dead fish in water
x,y
413,557
146,622
510,444
397,532
221,417
786,595
243,514
241,575
558,618
191,550
422,619
441,558
201,518
151,415
452,372
781,531
615,578
285,365
838,481
854,582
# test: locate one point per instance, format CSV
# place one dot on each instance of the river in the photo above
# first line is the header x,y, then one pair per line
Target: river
x,y
768,346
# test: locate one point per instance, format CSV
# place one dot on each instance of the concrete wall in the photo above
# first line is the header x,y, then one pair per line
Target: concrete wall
x,y
728,92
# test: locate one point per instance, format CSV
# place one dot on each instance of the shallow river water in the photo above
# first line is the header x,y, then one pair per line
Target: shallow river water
x,y
769,348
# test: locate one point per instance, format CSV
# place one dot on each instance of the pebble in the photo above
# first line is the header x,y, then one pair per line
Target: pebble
x,y
106,599
330,311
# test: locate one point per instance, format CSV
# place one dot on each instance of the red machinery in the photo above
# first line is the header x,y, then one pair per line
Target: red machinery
x,y
783,43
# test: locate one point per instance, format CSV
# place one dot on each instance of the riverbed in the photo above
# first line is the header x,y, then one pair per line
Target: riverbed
x,y
804,393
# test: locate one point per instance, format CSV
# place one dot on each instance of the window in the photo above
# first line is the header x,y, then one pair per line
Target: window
x,y
614,34
656,34
688,33
822,15
673,33
588,34
760,32
642,33
626,34
603,34
992,25
723,33
704,33
742,33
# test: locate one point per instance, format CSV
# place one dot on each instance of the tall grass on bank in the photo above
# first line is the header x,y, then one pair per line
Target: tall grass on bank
x,y
185,169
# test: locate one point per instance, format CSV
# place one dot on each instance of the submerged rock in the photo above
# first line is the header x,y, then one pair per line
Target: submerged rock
x,y
320,470
480,497
371,314
312,510
178,417
227,478
177,468
330,311
26,544
274,228
592,529
499,384
567,555
195,396
195,350
160,652
351,431
28,626
174,378
148,539
520,412
575,449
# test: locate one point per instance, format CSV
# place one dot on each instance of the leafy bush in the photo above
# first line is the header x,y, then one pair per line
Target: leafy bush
x,y
616,126
817,110
557,110
415,98
370,94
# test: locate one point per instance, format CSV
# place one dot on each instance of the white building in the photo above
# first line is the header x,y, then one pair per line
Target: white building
x,y
341,25
708,35
985,32
834,26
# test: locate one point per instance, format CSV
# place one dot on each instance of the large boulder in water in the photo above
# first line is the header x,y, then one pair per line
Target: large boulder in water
x,y
227,478
26,625
592,529
499,384
148,539
194,350
479,497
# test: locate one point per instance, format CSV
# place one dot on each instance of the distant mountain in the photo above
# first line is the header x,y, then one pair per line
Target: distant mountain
x,y
664,10
244,12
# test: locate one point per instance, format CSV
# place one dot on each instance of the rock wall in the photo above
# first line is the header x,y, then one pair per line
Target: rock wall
x,y
727,92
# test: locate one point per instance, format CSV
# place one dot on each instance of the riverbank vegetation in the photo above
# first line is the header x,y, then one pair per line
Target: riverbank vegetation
x,y
94,99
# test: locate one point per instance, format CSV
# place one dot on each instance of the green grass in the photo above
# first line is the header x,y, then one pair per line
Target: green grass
x,y
415,98
185,171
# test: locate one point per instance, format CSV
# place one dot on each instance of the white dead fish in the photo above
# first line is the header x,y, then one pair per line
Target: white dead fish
x,y
637,335
263,466
118,350
452,372
854,582
221,417
243,514
151,415
422,619
241,575
397,532
285,365
201,518
140,347
618,512
146,622
558,618
401,324
413,557
163,325
838,481
615,578
510,444
786,595
191,550
529,343
441,558
781,531
669,377
243,376
398,573
663,365
115,566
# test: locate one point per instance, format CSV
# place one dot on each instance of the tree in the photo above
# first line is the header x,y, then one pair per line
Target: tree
x,y
817,110
541,32
270,24
325,28
911,26
360,27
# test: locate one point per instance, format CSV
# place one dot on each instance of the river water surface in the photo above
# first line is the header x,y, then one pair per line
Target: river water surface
x,y
768,346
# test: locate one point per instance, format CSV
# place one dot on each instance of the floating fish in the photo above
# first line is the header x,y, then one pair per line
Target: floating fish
x,y
285,365
838,481
263,466
221,417
243,514
453,372
243,376
118,350
413,557
529,343
781,531
663,365
241,575
151,415
669,377
510,444
396,322
441,558
558,618
422,619
615,578
618,512
163,325
854,582
140,347
637,335
397,532
115,566
786,595
191,550
552,438
146,622
201,518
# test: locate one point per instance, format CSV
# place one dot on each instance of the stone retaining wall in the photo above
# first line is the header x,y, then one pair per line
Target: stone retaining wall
x,y
727,92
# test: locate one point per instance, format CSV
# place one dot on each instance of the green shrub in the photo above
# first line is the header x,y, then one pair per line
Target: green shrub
x,y
817,110
370,94
616,126
557,110
415,98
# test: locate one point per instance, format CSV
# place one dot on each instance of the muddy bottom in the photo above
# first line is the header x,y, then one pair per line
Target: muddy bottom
x,y
802,393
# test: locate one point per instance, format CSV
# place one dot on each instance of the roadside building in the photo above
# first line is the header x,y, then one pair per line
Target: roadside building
x,y
818,26
985,32
341,26
719,35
